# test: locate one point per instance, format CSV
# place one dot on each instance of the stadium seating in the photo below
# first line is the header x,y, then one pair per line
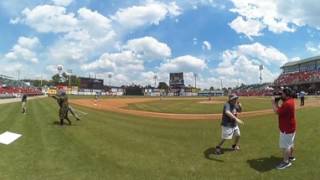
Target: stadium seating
x,y
254,90
297,78
12,88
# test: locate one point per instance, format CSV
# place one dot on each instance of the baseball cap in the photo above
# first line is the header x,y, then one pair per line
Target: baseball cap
x,y
233,96
288,91
61,92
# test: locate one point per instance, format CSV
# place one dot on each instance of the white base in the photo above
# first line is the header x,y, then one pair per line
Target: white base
x,y
8,137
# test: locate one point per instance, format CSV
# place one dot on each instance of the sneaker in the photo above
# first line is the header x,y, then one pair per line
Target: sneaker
x,y
218,151
284,165
291,159
235,147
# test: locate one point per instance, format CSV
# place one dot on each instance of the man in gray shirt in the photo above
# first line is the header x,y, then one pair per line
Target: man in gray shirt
x,y
229,123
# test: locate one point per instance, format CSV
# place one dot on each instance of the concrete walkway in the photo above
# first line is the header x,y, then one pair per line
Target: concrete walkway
x,y
12,100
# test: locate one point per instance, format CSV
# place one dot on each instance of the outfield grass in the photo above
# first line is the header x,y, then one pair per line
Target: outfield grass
x,y
194,107
114,146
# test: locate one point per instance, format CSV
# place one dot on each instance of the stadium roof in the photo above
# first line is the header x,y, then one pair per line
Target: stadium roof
x,y
301,61
5,77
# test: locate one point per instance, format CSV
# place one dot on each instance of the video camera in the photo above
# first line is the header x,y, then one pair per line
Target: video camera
x,y
287,91
277,96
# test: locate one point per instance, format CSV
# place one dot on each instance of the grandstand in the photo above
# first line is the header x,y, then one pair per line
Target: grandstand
x,y
264,89
10,88
301,75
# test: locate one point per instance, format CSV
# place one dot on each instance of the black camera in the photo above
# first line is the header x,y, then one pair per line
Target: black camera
x,y
277,96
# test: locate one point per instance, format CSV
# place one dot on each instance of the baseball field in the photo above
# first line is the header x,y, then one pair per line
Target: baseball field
x,y
149,138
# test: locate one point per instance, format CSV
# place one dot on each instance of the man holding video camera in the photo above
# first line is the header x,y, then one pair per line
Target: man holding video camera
x,y
287,124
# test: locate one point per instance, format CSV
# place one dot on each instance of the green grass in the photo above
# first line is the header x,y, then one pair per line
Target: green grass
x,y
114,146
194,107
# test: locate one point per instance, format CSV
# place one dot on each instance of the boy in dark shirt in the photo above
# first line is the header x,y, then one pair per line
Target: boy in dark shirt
x,y
24,103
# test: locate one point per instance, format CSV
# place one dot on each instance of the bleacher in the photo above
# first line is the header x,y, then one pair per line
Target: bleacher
x,y
297,78
254,90
12,88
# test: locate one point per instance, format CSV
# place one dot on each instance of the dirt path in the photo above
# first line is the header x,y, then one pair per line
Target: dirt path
x,y
118,105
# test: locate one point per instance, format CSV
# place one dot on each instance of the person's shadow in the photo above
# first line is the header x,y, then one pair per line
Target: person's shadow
x,y
211,155
264,164
64,124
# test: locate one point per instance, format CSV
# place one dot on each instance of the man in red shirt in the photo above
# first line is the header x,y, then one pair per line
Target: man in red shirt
x,y
287,125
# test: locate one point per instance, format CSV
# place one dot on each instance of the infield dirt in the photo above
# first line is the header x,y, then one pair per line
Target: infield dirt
x,y
119,105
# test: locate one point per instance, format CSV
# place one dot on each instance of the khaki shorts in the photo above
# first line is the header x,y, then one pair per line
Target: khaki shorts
x,y
23,105
229,132
286,141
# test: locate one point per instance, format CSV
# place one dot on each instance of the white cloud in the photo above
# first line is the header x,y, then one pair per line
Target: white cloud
x,y
304,12
278,26
92,34
185,63
48,18
115,80
14,7
255,16
94,23
123,62
195,4
29,43
68,51
313,48
17,70
149,48
24,50
125,67
62,2
276,15
195,41
88,33
243,62
147,78
130,69
52,69
248,27
295,59
206,45
150,14
15,20
267,54
11,69
78,46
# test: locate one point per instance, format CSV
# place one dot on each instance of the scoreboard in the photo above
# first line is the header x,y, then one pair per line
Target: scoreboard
x,y
176,80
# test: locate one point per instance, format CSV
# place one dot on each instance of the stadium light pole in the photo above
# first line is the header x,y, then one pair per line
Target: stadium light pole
x,y
41,80
110,76
69,73
195,79
260,69
19,75
155,80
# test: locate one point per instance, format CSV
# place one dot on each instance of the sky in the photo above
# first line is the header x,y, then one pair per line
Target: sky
x,y
133,41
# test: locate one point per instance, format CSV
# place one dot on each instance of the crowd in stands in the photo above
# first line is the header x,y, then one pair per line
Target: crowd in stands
x,y
297,78
254,90
12,88
20,90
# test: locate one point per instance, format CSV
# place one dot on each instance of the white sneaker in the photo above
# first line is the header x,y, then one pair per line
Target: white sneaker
x,y
284,165
291,159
